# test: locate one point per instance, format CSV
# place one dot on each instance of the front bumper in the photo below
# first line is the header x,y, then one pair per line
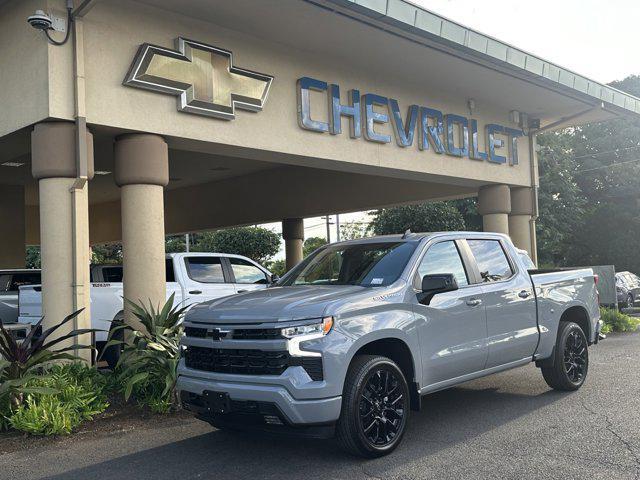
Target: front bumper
x,y
255,395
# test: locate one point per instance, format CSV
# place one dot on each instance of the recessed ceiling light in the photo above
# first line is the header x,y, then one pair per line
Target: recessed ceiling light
x,y
12,164
102,172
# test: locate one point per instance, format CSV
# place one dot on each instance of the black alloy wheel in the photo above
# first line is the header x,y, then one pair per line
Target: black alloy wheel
x,y
575,357
570,361
375,407
382,407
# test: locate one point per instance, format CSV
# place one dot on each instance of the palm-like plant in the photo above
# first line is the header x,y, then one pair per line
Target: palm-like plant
x,y
148,363
22,361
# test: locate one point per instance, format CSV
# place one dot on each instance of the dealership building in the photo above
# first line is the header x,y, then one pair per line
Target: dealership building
x,y
146,118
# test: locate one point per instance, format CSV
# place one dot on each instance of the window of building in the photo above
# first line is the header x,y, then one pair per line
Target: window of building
x,y
492,261
443,257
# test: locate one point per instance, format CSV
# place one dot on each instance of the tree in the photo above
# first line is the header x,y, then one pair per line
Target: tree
x,y
106,254
353,230
257,243
311,244
277,267
175,244
426,217
33,257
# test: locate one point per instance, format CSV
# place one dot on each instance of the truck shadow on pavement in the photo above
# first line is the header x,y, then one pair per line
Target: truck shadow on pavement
x,y
447,418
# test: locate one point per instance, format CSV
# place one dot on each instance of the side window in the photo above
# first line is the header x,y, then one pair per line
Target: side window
x,y
443,257
492,261
112,274
21,279
205,269
171,276
5,281
247,272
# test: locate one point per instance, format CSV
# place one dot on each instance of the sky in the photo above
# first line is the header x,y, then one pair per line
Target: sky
x,y
595,38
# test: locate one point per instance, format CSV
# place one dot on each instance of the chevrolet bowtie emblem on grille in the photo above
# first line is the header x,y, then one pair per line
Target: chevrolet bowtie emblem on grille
x,y
203,76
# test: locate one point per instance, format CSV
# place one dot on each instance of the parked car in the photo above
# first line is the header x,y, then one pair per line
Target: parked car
x,y
192,277
351,339
627,289
10,282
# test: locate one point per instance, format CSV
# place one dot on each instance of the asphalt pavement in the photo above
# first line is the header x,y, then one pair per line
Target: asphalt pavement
x,y
508,425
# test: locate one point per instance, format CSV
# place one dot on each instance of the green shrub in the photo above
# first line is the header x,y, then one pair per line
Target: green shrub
x,y
615,321
147,368
80,393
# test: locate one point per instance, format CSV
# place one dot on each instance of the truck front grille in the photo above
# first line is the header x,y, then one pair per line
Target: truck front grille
x,y
249,362
235,334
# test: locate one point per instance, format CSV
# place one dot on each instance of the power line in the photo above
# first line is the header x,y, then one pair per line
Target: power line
x,y
607,166
592,155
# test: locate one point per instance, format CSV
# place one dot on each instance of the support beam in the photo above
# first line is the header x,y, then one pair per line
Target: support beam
x,y
12,223
521,217
64,226
494,204
142,172
293,234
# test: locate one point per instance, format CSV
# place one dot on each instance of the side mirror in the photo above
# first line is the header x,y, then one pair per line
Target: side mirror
x,y
434,284
274,278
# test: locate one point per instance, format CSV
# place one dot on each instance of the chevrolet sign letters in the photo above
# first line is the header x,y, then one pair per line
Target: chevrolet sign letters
x,y
435,129
203,76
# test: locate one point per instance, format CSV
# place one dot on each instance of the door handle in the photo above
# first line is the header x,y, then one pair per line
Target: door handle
x,y
242,291
473,302
195,292
524,294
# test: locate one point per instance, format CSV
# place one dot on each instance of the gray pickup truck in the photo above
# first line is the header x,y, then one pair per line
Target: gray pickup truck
x,y
349,341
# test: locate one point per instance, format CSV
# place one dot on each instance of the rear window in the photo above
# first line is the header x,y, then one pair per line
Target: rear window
x,y
112,274
492,261
22,279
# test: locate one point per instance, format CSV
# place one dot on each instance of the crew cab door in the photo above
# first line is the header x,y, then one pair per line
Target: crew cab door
x,y
206,278
247,275
453,333
512,330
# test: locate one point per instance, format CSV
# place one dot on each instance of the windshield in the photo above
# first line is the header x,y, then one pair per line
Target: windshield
x,y
365,264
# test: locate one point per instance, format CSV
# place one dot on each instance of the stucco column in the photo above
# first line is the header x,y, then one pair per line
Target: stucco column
x,y
64,226
293,234
521,217
142,172
12,226
494,204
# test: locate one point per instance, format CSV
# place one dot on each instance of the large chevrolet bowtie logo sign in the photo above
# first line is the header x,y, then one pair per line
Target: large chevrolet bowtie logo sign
x,y
203,77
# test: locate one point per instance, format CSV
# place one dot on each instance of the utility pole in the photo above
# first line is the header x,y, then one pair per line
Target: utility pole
x,y
337,227
328,228
186,242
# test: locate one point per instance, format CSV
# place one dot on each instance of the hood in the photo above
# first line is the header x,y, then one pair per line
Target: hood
x,y
276,304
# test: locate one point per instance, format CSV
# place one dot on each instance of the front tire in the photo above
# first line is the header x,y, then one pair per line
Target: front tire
x,y
571,359
630,301
375,407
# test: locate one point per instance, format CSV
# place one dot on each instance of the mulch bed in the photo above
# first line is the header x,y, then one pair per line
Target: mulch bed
x,y
118,418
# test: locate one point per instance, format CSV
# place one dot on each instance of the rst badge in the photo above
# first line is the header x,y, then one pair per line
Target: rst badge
x,y
202,76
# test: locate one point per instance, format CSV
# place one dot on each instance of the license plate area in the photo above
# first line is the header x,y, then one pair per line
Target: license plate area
x,y
216,402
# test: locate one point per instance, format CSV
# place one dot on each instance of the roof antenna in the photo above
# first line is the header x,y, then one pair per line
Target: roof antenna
x,y
406,234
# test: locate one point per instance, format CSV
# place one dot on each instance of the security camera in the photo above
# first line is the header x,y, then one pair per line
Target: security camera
x,y
40,21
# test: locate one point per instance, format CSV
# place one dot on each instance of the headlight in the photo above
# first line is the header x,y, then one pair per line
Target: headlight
x,y
322,328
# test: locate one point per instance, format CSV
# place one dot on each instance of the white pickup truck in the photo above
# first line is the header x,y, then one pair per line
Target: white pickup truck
x,y
192,277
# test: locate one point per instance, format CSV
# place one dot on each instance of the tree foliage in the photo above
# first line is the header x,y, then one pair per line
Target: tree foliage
x,y
311,244
259,244
426,217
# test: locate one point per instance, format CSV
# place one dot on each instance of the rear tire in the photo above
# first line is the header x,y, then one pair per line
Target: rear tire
x,y
111,355
571,359
375,407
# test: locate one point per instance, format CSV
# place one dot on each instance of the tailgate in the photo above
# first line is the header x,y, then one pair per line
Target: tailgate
x,y
30,304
